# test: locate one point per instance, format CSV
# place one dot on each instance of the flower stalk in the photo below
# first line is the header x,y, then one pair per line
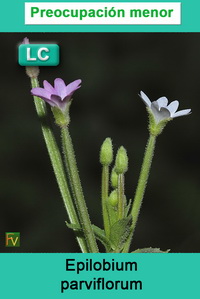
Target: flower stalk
x,y
140,190
104,198
121,196
121,166
75,182
106,157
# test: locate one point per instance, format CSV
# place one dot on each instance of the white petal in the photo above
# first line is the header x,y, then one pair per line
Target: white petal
x,y
145,98
172,107
182,112
162,102
159,114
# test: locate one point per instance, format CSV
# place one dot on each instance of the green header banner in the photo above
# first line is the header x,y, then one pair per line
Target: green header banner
x,y
100,16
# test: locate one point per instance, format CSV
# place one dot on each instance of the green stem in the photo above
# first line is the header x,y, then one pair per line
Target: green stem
x,y
144,174
120,191
104,198
57,164
77,190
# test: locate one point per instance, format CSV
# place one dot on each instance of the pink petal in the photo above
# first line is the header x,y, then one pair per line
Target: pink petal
x,y
70,88
25,41
56,100
49,87
59,86
41,92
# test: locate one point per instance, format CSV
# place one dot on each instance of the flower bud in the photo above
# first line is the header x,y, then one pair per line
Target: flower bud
x,y
113,198
121,162
106,152
114,179
32,71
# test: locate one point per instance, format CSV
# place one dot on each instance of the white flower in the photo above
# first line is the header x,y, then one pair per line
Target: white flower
x,y
161,110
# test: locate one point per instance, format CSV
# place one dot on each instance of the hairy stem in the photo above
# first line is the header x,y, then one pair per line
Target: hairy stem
x,y
104,198
120,191
77,190
142,182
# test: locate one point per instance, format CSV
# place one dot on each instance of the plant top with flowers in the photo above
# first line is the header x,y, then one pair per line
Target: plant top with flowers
x,y
120,215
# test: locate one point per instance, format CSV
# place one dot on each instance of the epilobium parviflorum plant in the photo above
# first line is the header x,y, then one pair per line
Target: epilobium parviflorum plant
x,y
120,215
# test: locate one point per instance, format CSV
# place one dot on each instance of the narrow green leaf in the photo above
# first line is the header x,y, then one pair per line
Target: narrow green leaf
x,y
74,226
150,250
128,207
100,235
98,232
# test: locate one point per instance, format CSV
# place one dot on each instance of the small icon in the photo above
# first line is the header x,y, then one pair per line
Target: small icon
x,y
38,54
12,239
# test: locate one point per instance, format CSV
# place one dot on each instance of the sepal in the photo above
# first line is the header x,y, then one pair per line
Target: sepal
x,y
156,129
62,118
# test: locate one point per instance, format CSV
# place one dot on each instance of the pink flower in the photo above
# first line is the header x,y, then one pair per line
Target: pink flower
x,y
59,95
25,41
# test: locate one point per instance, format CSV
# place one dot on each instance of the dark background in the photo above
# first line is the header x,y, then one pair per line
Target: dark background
x,y
114,67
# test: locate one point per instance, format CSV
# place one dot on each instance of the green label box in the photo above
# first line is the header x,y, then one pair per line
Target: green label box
x,y
38,55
